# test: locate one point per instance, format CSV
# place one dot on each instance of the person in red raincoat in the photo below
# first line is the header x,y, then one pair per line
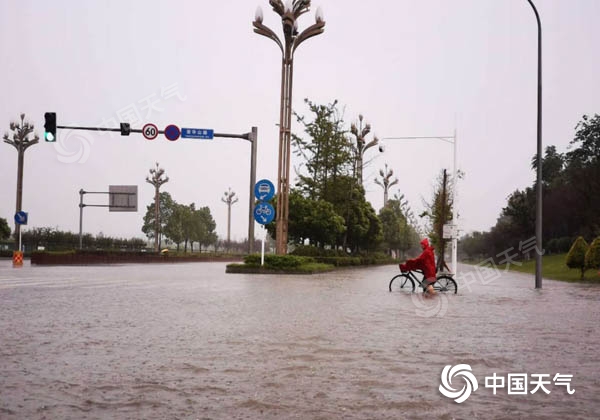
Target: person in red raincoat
x,y
424,262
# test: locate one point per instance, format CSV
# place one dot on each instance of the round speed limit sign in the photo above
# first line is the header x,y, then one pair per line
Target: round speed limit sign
x,y
150,131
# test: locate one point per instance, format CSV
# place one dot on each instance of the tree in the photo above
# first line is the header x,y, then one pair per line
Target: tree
x,y
312,220
399,233
592,256
439,212
4,229
328,153
583,174
166,205
204,232
576,255
552,166
390,222
175,225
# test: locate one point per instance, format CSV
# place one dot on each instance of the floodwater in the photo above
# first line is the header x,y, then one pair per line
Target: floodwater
x,y
188,341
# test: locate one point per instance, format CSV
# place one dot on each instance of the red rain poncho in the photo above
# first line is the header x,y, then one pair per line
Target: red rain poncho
x,y
425,261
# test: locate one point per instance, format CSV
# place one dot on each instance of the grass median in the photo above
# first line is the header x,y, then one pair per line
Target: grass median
x,y
555,268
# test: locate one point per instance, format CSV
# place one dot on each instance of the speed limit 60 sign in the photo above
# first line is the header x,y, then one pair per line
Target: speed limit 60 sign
x,y
150,131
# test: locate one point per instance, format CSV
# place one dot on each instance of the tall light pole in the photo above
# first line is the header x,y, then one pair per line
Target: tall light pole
x,y
20,141
449,139
362,146
538,189
230,199
157,180
289,11
386,182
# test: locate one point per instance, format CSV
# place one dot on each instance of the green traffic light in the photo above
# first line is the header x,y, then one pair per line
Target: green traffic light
x,y
50,126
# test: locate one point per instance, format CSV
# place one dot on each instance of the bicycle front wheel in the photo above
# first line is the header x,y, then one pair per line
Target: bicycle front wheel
x,y
445,284
402,283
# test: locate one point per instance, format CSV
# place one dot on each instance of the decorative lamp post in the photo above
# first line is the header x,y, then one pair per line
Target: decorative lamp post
x,y
230,199
362,146
385,182
290,11
157,180
20,141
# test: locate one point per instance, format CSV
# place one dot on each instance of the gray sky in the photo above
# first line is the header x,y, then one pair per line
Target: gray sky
x,y
412,68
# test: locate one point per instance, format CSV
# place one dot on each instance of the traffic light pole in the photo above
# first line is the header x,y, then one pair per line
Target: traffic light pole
x,y
252,137
125,129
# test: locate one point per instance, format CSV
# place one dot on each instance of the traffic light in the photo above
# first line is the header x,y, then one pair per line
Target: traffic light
x,y
125,129
50,126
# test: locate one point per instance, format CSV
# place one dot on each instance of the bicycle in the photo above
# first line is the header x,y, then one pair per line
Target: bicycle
x,y
405,282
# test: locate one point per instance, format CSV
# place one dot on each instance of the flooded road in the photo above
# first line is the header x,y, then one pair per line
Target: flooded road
x,y
188,341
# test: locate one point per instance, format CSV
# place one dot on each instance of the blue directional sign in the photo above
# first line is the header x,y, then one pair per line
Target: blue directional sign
x,y
264,190
197,133
21,218
264,213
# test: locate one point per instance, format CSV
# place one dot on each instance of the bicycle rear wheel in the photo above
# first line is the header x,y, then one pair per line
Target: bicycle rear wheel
x,y
402,283
445,284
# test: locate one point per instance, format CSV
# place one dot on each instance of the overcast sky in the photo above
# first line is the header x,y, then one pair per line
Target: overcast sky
x,y
412,68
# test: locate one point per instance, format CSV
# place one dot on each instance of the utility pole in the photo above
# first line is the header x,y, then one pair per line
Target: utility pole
x,y
157,180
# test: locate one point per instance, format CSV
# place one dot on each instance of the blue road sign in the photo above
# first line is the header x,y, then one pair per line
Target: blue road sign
x,y
172,132
21,218
197,133
264,213
264,190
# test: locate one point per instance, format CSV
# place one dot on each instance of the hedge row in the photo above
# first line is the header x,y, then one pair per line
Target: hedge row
x,y
293,261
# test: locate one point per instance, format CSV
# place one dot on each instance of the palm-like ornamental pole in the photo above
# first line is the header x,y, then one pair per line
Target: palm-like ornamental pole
x,y
230,199
157,180
362,146
386,182
20,141
289,11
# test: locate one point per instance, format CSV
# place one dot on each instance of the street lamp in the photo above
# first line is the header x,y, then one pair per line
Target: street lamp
x,y
362,146
449,139
230,199
157,180
289,12
386,182
538,159
20,141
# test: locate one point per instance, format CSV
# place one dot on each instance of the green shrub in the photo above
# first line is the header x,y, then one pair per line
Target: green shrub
x,y
592,256
576,255
313,251
278,262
